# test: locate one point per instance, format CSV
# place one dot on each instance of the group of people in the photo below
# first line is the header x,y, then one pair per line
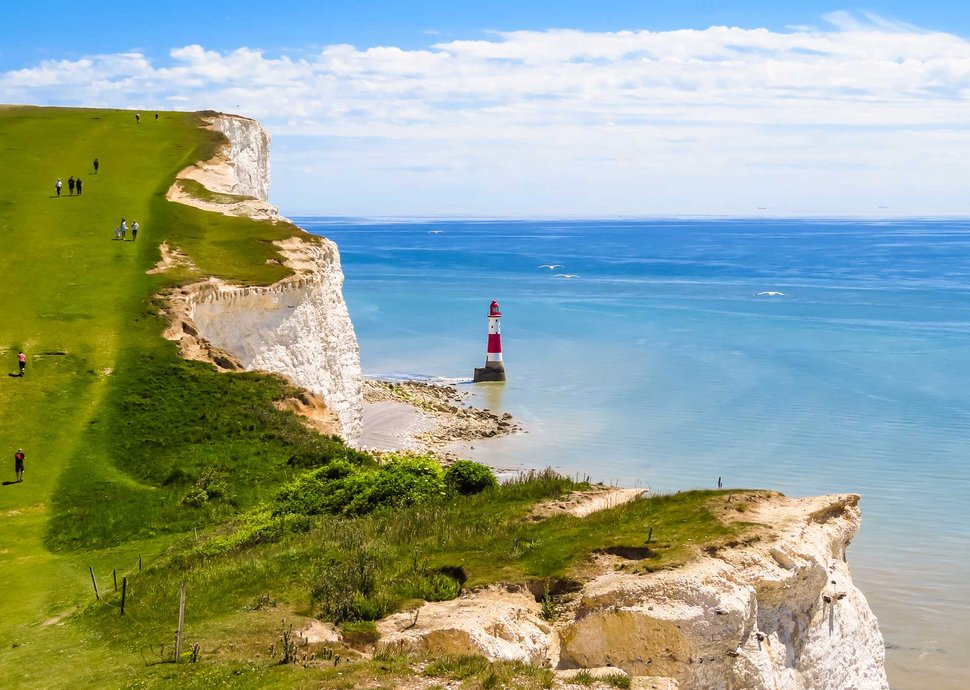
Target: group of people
x,y
122,230
73,184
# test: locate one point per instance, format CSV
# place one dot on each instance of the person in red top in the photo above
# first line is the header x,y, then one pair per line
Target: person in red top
x,y
18,464
22,359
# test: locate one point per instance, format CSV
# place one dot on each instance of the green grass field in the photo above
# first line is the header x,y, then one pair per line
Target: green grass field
x,y
120,433
105,405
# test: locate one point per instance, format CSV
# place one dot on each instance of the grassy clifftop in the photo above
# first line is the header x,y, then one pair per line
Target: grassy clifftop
x,y
115,426
131,450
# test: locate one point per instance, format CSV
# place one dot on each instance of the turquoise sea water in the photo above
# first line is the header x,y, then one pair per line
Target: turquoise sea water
x,y
660,364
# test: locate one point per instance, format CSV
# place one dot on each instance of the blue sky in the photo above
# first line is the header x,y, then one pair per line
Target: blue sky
x,y
483,108
35,31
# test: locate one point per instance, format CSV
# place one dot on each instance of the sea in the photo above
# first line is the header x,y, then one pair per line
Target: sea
x,y
804,356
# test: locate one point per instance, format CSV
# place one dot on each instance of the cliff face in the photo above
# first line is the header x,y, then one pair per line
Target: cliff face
x,y
778,613
298,327
248,156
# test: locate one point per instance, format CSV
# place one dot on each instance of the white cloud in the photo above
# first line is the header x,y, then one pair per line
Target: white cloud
x,y
832,119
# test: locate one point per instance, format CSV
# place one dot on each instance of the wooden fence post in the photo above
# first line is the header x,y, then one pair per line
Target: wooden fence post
x,y
124,592
178,634
95,583
114,576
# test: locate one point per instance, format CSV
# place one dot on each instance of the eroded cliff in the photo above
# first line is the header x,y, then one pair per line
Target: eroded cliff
x,y
298,327
778,612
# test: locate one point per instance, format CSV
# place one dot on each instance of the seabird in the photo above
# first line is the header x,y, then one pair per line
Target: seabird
x,y
567,276
551,267
435,232
770,293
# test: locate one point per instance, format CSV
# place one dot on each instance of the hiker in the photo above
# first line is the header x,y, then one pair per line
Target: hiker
x,y
137,117
96,166
18,464
156,117
117,233
124,228
134,230
70,184
57,186
77,184
22,360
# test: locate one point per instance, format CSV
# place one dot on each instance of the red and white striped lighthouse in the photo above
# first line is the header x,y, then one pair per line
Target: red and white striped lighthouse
x,y
494,369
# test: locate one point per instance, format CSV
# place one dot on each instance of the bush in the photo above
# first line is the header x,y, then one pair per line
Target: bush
x,y
324,450
432,586
467,477
343,488
402,482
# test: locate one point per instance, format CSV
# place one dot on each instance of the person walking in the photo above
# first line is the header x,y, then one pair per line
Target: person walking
x,y
137,118
134,230
96,166
117,233
57,186
156,117
22,361
77,184
124,228
70,184
18,464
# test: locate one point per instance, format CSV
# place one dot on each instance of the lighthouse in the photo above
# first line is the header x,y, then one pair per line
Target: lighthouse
x,y
494,369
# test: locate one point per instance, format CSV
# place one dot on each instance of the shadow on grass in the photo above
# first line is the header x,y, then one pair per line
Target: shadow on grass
x,y
9,483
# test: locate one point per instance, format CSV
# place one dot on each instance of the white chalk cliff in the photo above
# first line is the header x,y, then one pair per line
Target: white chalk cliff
x,y
776,613
298,327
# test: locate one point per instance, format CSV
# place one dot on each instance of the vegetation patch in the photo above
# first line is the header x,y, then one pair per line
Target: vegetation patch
x,y
198,191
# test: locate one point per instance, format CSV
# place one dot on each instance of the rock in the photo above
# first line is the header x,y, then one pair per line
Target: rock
x,y
495,622
595,673
316,632
653,683
750,618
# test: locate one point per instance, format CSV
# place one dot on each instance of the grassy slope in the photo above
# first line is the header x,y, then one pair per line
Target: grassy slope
x,y
117,428
69,288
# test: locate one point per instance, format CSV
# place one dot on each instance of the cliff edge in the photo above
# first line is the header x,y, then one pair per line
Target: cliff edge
x,y
298,327
776,612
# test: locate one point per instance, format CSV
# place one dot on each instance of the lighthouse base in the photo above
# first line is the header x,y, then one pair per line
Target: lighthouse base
x,y
492,371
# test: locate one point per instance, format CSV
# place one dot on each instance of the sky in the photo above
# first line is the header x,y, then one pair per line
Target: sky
x,y
542,108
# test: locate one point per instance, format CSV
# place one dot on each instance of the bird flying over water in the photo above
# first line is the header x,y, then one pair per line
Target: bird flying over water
x,y
551,267
567,276
770,293
435,232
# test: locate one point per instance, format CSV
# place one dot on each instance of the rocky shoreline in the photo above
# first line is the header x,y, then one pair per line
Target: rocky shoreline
x,y
430,417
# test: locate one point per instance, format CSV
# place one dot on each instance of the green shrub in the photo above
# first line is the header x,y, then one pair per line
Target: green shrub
x,y
344,488
466,477
432,586
617,680
402,482
324,450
